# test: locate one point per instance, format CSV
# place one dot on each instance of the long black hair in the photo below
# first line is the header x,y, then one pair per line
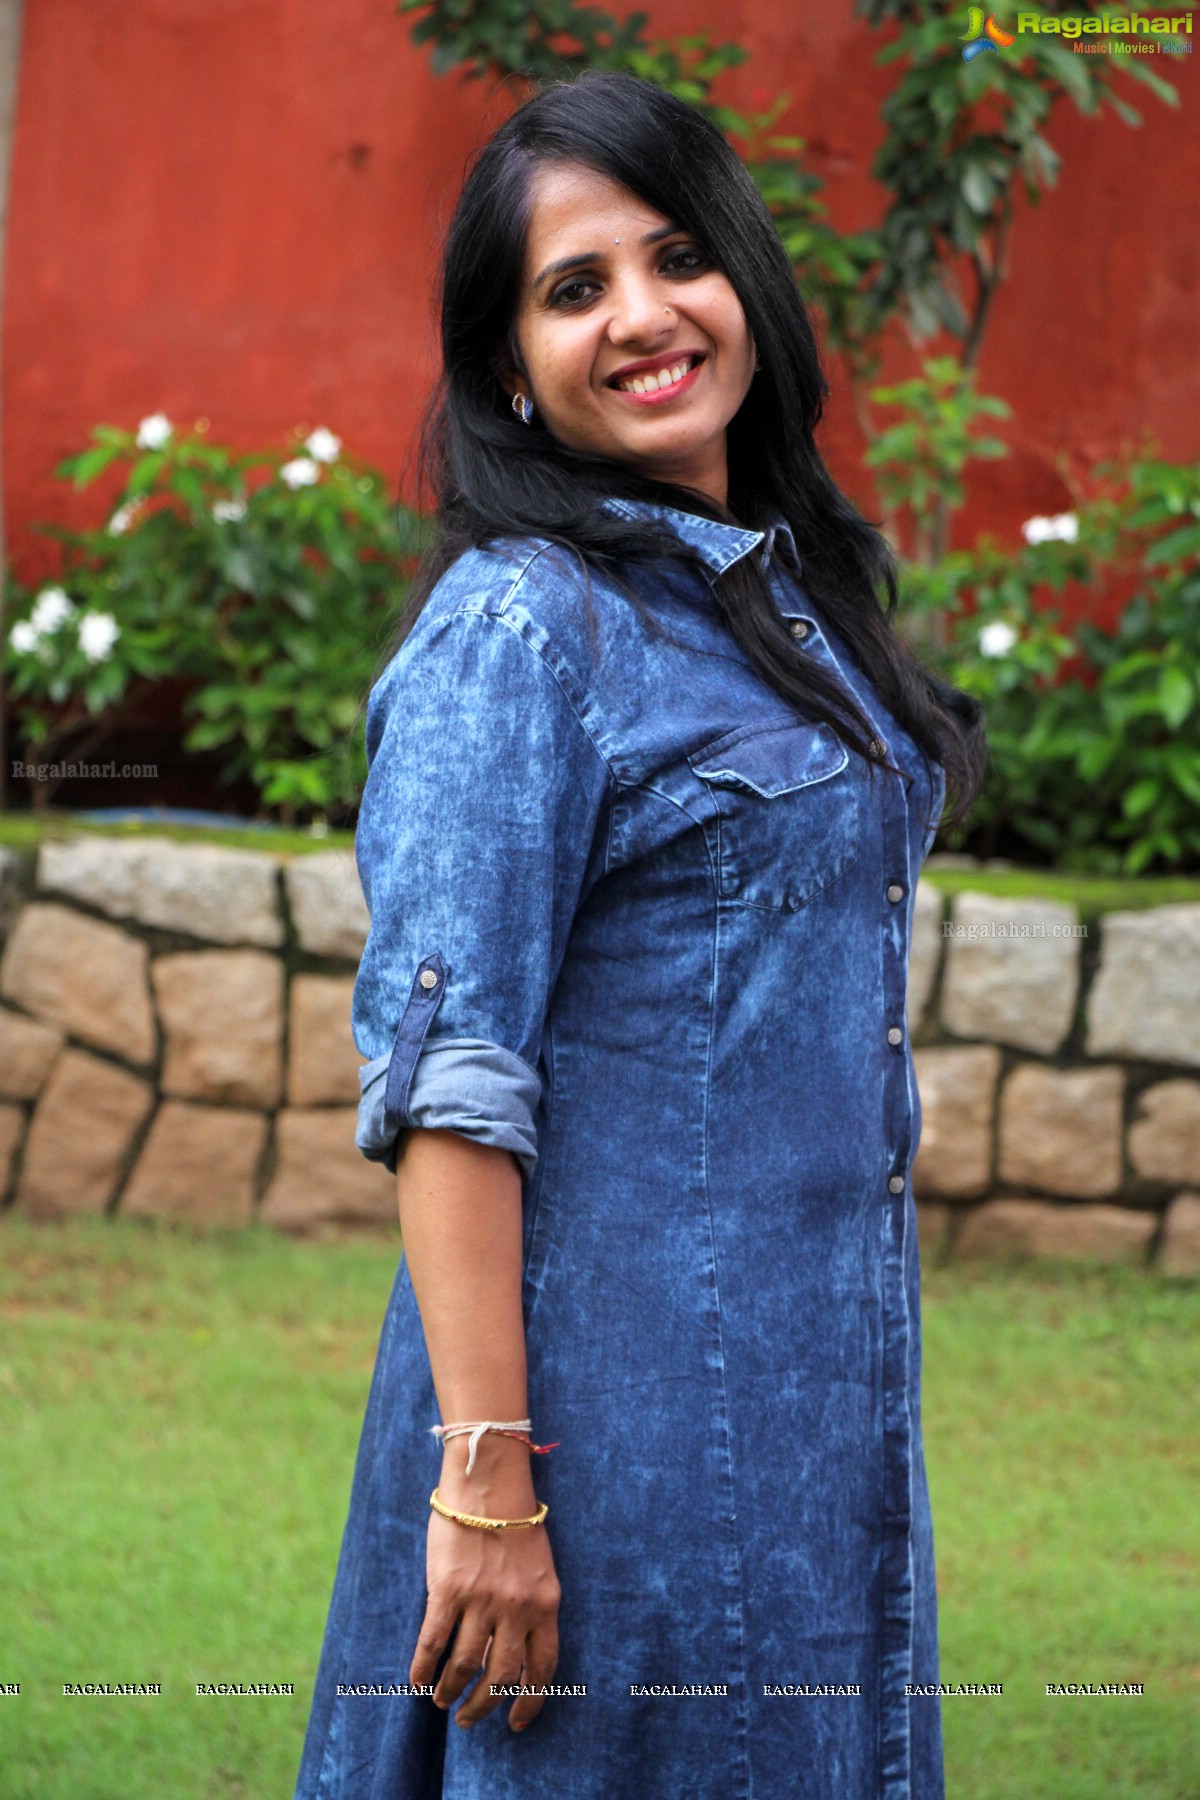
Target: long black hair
x,y
493,477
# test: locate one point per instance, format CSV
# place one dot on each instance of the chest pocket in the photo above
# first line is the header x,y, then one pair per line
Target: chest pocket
x,y
787,812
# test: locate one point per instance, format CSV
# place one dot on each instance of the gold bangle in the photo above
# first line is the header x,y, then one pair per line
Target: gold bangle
x,y
481,1524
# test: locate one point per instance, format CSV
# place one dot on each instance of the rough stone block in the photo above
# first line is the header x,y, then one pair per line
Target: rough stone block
x,y
227,896
222,1011
326,899
1060,1130
1180,1251
958,1089
83,1129
1164,1139
924,951
1015,978
87,977
1020,1227
199,1163
321,1178
323,1062
1145,1001
27,1052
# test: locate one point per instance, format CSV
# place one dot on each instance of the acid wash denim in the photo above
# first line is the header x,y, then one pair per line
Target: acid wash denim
x,y
636,923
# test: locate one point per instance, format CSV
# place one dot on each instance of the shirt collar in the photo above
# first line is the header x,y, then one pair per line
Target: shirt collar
x,y
718,546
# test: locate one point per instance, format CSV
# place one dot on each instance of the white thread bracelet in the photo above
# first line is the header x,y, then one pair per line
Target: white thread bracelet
x,y
476,1430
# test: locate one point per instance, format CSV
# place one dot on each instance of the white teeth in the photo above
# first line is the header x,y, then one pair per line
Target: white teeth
x,y
650,384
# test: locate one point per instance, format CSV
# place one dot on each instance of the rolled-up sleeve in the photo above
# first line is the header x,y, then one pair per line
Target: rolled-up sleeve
x,y
480,832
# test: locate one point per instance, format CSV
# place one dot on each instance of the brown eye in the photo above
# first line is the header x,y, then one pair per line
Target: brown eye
x,y
572,293
686,260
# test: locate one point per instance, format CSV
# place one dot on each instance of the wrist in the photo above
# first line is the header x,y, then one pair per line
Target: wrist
x,y
501,1481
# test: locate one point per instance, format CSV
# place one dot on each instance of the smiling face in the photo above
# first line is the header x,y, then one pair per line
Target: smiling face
x,y
633,345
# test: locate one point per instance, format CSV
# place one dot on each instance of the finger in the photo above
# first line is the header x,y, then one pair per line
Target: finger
x,y
541,1660
502,1668
464,1662
434,1635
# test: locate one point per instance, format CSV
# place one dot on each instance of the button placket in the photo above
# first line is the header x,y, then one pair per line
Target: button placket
x,y
898,1113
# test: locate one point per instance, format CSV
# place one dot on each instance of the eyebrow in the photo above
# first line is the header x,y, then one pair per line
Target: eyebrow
x,y
585,257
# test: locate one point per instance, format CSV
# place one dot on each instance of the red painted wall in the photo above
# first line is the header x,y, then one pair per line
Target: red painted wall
x,y
230,209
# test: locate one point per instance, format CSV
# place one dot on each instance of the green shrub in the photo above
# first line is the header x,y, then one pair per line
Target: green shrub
x,y
1095,735
268,582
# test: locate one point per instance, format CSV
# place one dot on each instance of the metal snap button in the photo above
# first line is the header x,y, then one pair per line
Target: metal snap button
x,y
895,1035
878,748
895,892
896,1184
799,628
428,978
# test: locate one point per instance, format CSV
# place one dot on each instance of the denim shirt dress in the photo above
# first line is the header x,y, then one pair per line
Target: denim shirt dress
x,y
636,922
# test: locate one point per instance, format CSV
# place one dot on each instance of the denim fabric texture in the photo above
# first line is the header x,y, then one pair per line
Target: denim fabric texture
x,y
636,922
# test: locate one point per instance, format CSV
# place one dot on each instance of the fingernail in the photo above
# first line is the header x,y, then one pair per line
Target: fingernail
x,y
520,1725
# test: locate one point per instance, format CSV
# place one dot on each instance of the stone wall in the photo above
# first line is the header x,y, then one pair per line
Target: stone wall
x,y
175,1036
1059,1072
174,1042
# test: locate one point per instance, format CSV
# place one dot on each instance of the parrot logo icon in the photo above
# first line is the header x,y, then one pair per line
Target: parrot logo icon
x,y
983,36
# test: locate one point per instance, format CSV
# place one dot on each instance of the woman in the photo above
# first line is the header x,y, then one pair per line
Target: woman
x,y
651,779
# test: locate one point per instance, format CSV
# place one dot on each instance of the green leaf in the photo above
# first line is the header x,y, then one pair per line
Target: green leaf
x,y
1176,695
1176,546
145,472
1143,795
978,190
85,467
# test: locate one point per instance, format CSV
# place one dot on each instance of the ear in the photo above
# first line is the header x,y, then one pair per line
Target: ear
x,y
509,372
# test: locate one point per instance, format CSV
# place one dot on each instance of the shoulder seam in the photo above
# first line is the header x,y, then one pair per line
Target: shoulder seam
x,y
521,573
499,618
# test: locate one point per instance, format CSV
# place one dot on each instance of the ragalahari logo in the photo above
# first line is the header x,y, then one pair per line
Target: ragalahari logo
x,y
983,36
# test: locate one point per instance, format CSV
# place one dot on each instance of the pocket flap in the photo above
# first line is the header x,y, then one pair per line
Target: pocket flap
x,y
772,761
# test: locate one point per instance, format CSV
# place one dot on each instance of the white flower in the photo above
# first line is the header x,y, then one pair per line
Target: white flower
x,y
153,432
98,632
23,637
323,445
124,516
300,472
997,639
1062,527
50,610
225,511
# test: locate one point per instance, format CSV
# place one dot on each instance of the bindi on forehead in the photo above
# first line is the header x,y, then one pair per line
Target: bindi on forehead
x,y
577,216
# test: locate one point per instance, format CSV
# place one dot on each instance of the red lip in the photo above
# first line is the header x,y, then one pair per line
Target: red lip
x,y
655,364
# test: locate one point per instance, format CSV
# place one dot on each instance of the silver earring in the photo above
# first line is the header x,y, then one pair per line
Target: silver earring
x,y
523,407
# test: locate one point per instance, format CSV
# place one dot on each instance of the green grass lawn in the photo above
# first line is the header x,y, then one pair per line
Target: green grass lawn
x,y
179,1417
